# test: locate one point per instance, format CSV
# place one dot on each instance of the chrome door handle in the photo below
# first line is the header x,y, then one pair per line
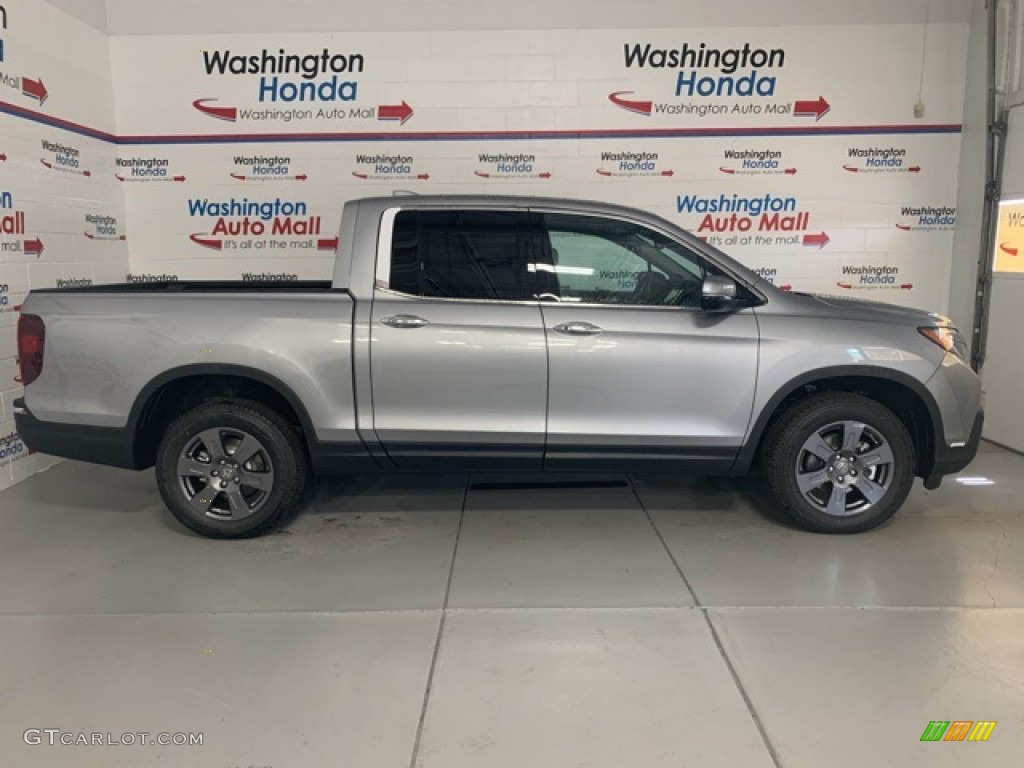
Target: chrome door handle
x,y
404,321
579,328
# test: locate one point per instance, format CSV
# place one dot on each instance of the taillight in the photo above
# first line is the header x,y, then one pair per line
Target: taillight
x,y
31,340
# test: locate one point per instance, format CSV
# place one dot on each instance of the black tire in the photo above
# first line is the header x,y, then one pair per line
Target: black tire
x,y
870,491
195,464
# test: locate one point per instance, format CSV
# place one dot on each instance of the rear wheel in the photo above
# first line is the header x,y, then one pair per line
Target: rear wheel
x,y
231,469
838,462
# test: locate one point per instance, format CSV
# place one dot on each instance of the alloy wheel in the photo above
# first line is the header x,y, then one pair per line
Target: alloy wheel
x,y
225,473
845,468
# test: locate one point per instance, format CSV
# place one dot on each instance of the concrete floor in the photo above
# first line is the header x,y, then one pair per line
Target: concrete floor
x,y
415,621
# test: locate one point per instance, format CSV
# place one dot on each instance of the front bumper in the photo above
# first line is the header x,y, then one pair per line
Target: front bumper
x,y
100,445
949,461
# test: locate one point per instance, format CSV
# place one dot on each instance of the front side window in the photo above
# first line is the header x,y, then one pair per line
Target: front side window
x,y
597,260
459,254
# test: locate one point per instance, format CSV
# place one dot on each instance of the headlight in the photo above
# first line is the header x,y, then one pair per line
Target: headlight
x,y
947,337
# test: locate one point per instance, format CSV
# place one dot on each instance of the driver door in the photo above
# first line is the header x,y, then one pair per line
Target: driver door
x,y
637,372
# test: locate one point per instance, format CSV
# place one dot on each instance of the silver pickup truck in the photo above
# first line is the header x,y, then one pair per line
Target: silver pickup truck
x,y
498,333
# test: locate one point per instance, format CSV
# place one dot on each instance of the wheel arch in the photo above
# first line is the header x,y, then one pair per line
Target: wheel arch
x,y
173,391
907,397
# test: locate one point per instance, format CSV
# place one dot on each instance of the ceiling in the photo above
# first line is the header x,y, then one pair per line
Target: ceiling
x,y
152,17
92,12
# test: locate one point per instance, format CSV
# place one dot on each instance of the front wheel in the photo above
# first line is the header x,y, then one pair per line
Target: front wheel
x,y
230,469
838,462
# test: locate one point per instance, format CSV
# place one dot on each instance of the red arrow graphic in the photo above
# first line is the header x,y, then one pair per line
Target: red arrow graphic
x,y
484,175
821,239
361,175
207,242
48,165
401,112
668,173
87,173
631,105
34,89
816,109
604,173
238,176
329,244
914,169
221,113
851,168
847,286
301,177
787,288
904,227
89,235
730,171
545,175
906,286
423,176
789,171
3,158
1008,249
179,178
119,177
34,247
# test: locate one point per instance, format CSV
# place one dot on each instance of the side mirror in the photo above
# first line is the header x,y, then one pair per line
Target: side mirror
x,y
717,294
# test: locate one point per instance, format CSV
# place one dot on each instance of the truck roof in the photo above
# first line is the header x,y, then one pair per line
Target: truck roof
x,y
499,201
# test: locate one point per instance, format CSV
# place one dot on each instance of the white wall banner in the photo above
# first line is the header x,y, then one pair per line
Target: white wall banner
x,y
794,149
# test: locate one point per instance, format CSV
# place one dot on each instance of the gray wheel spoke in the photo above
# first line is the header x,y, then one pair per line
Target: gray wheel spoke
x,y
809,481
214,443
201,501
239,507
872,491
261,481
189,467
880,455
819,448
852,432
837,501
246,449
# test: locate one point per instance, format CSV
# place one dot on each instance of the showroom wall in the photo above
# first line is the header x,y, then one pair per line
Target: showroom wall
x,y
970,203
818,142
61,215
776,143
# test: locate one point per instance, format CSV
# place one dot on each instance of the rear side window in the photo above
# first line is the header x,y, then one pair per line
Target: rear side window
x,y
461,255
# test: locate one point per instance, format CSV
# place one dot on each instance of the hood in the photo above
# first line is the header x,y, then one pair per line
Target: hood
x,y
877,310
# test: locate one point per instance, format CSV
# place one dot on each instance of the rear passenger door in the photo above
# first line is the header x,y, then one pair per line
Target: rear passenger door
x,y
457,356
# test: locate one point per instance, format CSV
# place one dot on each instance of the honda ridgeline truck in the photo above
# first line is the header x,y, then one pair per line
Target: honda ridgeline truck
x,y
498,333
